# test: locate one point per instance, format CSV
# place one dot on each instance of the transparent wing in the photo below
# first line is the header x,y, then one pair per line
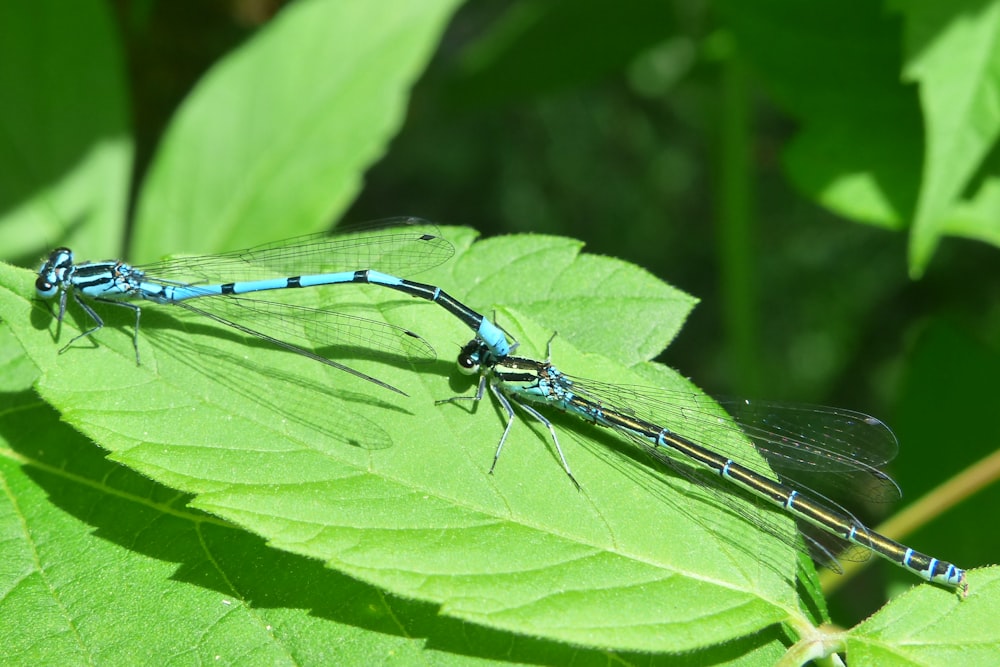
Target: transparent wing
x,y
823,449
312,328
398,246
816,440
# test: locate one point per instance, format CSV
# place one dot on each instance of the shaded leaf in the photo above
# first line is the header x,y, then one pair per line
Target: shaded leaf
x,y
65,154
89,547
859,145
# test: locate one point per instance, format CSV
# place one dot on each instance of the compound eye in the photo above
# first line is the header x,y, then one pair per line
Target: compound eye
x,y
44,288
468,363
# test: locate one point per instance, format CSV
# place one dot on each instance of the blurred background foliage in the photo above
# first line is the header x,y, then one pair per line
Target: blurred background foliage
x,y
677,135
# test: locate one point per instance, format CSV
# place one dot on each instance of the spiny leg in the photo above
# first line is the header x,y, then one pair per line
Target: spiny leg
x,y
510,421
552,431
99,323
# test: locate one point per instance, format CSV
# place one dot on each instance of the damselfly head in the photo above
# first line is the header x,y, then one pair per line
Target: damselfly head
x,y
472,356
52,271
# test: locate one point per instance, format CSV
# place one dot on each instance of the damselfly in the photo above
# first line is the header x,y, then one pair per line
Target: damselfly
x,y
372,253
787,442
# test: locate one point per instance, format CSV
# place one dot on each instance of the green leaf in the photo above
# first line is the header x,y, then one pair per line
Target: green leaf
x,y
859,140
65,154
89,547
953,53
929,627
395,492
872,146
977,218
556,288
274,140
